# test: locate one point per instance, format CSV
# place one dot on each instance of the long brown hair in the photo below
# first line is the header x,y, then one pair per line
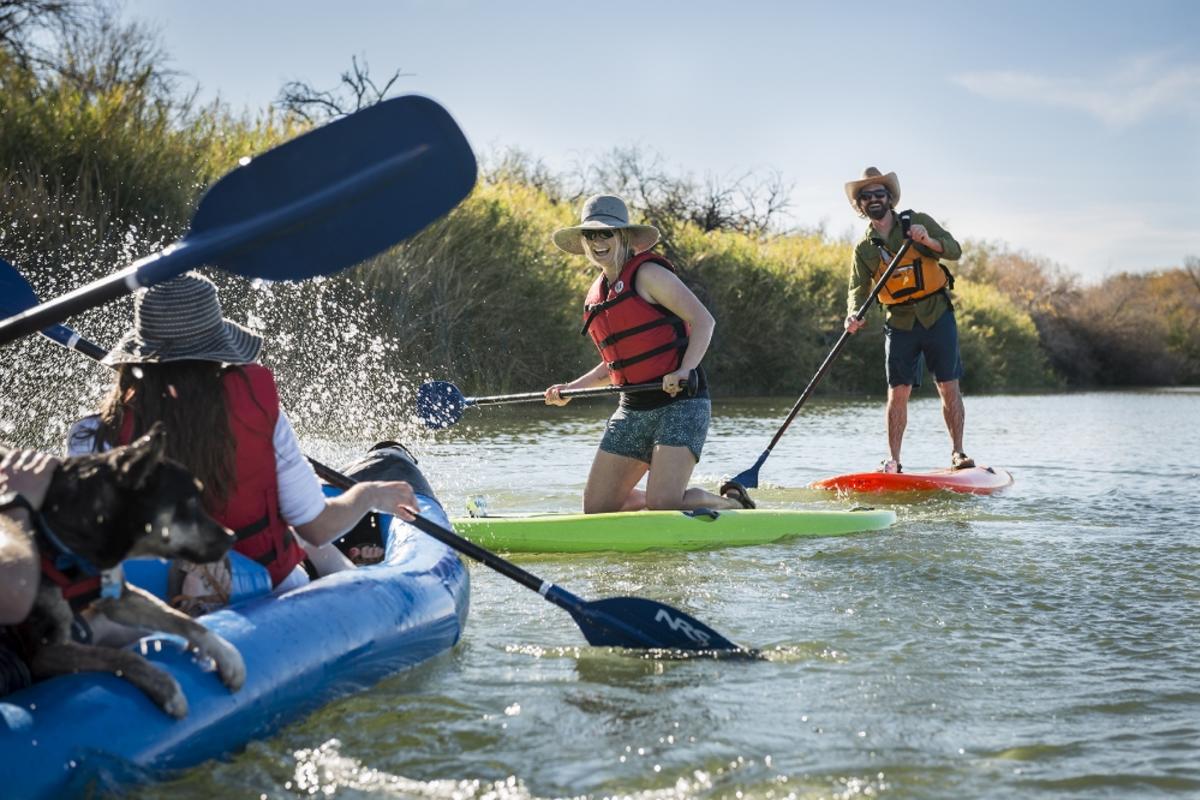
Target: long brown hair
x,y
188,398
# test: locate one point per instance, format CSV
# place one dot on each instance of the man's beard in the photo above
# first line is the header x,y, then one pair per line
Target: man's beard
x,y
877,211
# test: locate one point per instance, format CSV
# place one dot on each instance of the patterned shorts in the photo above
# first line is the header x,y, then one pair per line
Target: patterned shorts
x,y
633,433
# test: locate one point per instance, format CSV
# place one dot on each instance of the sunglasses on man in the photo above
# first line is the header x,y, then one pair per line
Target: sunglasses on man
x,y
601,234
876,194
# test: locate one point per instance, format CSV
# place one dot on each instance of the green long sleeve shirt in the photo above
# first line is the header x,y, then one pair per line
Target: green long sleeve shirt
x,y
927,310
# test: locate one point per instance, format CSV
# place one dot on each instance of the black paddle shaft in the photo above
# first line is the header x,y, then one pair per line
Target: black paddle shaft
x,y
444,535
689,386
634,622
841,342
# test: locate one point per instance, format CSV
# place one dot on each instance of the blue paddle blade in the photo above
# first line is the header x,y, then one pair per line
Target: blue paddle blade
x,y
749,478
640,623
343,192
440,404
16,295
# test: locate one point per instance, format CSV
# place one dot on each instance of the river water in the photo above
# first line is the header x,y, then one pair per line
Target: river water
x,y
1041,643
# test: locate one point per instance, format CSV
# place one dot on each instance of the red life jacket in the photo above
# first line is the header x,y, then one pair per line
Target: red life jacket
x,y
639,341
252,511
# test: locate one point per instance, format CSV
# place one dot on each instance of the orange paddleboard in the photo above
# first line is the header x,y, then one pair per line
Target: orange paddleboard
x,y
976,480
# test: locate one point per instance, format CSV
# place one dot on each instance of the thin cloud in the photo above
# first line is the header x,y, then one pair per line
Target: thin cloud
x,y
1132,239
1140,89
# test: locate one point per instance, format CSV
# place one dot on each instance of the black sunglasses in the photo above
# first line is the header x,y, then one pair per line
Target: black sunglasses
x,y
603,233
881,194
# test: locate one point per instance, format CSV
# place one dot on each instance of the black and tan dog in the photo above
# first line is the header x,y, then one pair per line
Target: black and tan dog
x,y
101,509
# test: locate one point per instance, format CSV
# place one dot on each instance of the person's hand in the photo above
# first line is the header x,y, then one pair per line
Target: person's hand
x,y
554,395
853,324
28,473
674,382
393,497
920,235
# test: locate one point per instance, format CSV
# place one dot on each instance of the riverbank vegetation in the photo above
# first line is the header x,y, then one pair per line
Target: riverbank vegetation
x,y
104,153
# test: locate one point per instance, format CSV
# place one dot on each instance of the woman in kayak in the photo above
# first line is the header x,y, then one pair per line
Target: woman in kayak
x,y
188,367
648,327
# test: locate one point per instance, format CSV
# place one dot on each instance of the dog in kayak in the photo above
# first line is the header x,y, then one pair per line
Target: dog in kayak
x,y
99,510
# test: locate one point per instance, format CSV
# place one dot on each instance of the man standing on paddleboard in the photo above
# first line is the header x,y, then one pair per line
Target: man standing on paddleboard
x,y
918,312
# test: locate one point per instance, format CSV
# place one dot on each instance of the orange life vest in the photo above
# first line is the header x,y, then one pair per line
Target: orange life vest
x,y
916,277
638,340
252,510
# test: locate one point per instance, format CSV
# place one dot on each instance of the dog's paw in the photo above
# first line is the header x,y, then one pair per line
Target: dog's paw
x,y
177,707
176,704
230,665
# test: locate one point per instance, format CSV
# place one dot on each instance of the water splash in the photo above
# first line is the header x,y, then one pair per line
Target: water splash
x,y
341,379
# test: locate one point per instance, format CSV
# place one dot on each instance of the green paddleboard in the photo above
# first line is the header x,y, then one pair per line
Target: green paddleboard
x,y
662,530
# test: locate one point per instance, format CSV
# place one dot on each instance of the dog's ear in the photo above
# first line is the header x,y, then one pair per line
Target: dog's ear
x,y
138,460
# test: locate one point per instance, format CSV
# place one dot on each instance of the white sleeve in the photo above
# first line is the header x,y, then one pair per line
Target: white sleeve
x,y
81,439
300,495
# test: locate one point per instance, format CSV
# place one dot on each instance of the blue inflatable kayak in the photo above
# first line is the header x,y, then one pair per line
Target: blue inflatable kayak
x,y
87,733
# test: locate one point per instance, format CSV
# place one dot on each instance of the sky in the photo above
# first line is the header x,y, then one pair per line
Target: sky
x,y
1067,130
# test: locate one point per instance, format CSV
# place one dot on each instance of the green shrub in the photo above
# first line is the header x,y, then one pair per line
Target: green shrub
x,y
999,342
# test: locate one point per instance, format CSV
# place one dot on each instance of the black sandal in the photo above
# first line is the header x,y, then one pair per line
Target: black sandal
x,y
960,460
735,491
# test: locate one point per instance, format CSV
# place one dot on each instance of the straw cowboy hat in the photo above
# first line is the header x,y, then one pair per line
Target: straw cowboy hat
x,y
180,320
605,212
872,175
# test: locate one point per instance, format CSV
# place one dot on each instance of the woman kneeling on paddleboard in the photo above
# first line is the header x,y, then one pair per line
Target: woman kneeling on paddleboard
x,y
188,367
648,327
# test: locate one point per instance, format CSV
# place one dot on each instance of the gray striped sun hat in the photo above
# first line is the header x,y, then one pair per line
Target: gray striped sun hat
x,y
181,320
605,212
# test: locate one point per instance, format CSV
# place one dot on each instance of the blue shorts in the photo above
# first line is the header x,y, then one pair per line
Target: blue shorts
x,y
938,345
633,432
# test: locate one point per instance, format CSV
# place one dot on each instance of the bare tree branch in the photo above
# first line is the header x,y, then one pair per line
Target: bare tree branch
x,y
23,21
100,52
355,90
1191,265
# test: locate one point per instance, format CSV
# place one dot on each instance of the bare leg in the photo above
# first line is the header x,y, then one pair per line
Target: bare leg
x,y
611,482
897,418
953,412
636,500
667,489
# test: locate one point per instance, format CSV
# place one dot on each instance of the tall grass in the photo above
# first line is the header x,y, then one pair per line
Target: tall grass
x,y
108,172
482,297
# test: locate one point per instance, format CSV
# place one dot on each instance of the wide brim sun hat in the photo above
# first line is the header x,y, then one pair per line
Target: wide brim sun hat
x,y
181,320
872,175
605,212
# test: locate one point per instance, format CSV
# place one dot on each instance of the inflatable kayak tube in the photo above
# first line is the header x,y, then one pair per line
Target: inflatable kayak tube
x,y
632,532
90,733
976,480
